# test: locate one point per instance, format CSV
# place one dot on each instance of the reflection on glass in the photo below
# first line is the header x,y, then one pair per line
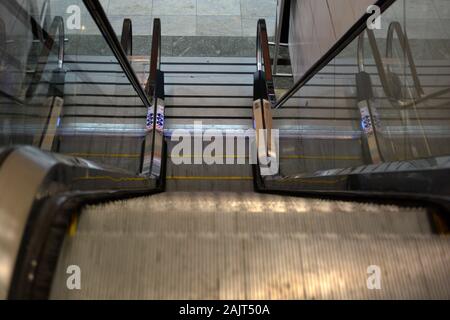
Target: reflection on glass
x,y
384,98
78,103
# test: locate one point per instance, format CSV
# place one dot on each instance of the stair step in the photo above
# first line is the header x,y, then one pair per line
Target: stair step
x,y
250,213
305,267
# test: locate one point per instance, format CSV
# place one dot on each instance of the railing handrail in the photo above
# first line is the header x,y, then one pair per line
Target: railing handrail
x,y
126,39
151,87
340,45
263,58
262,49
99,16
155,58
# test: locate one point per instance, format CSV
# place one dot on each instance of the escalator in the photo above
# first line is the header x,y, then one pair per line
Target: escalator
x,y
315,190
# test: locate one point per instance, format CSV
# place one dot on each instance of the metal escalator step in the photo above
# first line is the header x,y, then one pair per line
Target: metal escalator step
x,y
248,213
255,267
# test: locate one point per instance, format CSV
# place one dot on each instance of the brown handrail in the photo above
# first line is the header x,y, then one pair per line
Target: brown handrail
x,y
127,37
155,58
263,59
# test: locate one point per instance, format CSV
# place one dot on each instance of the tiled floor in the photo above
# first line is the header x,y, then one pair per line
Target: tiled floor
x,y
193,17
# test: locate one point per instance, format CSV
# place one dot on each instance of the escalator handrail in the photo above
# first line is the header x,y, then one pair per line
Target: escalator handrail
x,y
99,16
127,37
263,59
340,45
155,59
154,88
62,185
262,50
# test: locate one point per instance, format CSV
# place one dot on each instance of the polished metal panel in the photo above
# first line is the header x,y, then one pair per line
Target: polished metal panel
x,y
20,178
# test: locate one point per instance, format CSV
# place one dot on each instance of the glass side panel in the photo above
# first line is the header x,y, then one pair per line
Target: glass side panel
x,y
85,107
382,99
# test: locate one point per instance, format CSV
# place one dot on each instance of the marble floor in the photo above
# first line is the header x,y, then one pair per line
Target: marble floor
x,y
228,27
231,18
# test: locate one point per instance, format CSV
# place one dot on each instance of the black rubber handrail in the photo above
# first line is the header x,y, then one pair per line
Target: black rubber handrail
x,y
127,37
99,16
263,62
340,45
155,58
67,184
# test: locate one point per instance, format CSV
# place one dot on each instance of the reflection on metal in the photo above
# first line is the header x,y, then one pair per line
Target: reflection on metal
x,y
266,140
369,118
29,176
153,145
20,179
